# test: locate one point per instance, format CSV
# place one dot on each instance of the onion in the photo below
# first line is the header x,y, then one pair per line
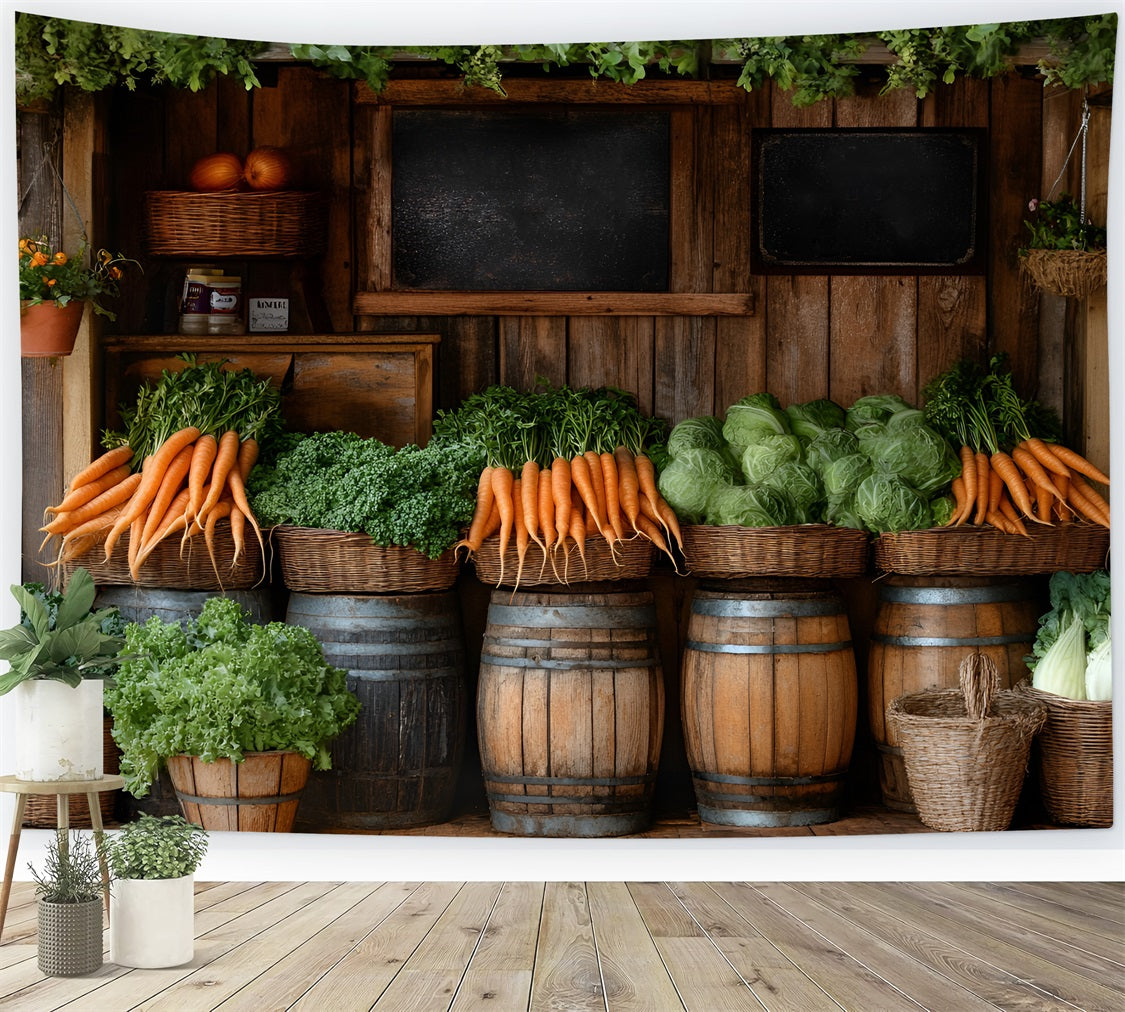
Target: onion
x,y
220,171
267,168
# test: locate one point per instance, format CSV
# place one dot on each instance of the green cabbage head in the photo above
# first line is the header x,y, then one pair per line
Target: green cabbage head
x,y
690,478
759,460
884,502
748,506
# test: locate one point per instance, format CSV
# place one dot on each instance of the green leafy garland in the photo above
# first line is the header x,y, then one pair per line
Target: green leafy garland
x,y
52,51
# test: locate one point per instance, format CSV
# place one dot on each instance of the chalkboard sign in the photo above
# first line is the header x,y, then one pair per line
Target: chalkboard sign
x,y
494,200
868,201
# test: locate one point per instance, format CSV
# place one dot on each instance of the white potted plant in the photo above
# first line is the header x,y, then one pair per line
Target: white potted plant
x,y
152,902
59,654
69,906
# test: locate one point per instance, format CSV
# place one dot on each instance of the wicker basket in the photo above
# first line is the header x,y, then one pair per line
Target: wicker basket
x,y
807,550
966,749
1072,273
1074,759
985,551
633,561
338,562
41,810
284,223
166,567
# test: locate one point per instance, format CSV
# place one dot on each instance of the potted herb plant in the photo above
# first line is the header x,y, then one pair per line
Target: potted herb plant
x,y
69,906
1066,254
238,712
59,656
54,290
152,902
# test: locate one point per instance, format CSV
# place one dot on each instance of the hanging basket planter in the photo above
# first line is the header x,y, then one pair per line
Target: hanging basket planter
x,y
48,330
1071,273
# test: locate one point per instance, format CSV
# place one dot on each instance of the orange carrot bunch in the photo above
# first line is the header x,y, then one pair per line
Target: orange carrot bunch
x,y
1040,482
558,507
190,483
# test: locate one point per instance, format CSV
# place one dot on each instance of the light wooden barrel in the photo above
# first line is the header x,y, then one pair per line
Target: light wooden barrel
x,y
769,697
570,712
924,628
398,764
258,795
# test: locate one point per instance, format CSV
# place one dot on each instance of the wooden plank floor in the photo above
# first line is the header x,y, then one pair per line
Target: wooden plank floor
x,y
614,946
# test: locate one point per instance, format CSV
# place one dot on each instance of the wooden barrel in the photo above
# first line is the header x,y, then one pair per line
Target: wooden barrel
x,y
924,628
570,712
398,764
258,795
138,604
769,696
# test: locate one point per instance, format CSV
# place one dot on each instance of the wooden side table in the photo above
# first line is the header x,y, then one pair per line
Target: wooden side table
x,y
61,789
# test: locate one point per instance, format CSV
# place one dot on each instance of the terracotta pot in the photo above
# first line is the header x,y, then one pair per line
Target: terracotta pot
x,y
48,329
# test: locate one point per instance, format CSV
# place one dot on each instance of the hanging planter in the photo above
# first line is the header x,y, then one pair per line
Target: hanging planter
x,y
1073,273
48,329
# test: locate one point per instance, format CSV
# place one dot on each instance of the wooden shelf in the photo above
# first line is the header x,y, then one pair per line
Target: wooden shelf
x,y
393,303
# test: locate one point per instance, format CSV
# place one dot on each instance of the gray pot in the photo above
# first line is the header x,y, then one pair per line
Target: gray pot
x,y
70,938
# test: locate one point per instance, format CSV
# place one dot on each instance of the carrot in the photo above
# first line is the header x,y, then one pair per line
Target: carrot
x,y
646,481
1008,509
135,529
247,456
995,488
983,469
94,525
493,523
999,521
529,499
628,486
1076,462
521,533
90,491
560,491
102,465
153,472
202,458
1036,473
481,513
114,495
237,534
578,529
584,485
225,458
671,521
1005,467
1085,507
959,500
170,485
1063,508
651,531
502,483
221,509
969,477
238,493
1046,456
612,495
1091,494
162,527
547,517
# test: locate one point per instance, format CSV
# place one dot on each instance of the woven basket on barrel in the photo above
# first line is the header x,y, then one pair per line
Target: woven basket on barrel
x,y
966,750
319,561
283,223
41,811
1074,759
807,550
630,560
985,551
1073,273
167,567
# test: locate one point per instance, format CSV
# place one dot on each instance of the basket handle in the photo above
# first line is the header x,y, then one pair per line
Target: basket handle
x,y
980,681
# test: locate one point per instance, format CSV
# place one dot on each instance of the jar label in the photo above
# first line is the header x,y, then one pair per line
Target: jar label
x,y
225,302
197,298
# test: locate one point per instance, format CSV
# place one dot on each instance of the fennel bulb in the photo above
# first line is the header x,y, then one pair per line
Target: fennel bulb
x,y
1062,668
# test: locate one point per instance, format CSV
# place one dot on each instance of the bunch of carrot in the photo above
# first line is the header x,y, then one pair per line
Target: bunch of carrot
x,y
1038,481
187,485
612,493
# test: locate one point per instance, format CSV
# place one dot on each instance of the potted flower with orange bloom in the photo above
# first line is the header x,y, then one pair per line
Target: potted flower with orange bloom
x,y
54,291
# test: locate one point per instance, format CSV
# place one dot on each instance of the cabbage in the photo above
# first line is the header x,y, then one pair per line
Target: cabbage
x,y
704,432
762,458
884,502
916,453
690,478
873,408
802,486
810,419
906,417
760,400
843,514
842,477
748,506
747,423
830,445
942,508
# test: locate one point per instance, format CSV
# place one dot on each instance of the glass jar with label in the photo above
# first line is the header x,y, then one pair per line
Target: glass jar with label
x,y
226,306
195,299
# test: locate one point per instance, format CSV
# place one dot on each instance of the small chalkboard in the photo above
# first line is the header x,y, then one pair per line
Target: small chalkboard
x,y
872,201
550,200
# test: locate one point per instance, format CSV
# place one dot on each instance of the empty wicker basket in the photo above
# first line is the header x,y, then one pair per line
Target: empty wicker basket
x,y
966,750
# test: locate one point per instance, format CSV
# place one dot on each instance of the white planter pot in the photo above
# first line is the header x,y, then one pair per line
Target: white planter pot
x,y
59,730
152,922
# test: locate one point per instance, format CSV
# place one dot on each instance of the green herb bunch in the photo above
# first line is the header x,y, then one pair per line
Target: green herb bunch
x,y
412,497
71,872
219,686
1060,225
155,847
50,275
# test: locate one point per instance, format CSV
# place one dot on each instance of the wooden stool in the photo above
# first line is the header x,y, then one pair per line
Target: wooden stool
x,y
62,789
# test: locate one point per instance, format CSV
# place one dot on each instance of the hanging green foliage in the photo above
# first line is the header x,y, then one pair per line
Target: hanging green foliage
x,y
52,51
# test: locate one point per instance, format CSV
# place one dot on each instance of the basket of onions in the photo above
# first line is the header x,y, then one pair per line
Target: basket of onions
x,y
237,207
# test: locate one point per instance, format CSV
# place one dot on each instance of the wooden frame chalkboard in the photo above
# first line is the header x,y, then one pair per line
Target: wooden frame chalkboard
x,y
870,201
545,199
